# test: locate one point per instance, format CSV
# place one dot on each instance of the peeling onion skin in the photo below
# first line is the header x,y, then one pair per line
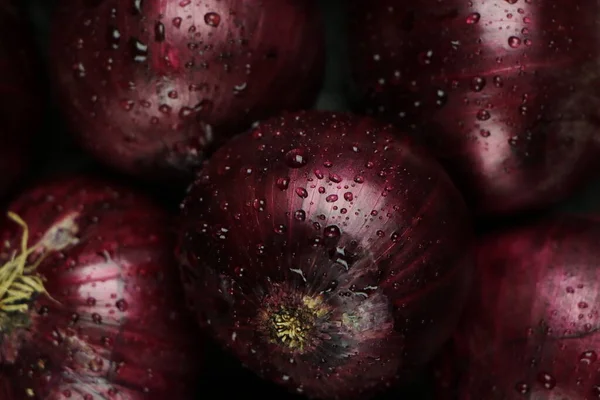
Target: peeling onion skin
x,y
120,331
339,216
504,92
531,327
21,107
151,89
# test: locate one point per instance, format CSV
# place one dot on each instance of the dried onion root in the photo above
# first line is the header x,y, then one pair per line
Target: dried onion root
x,y
19,282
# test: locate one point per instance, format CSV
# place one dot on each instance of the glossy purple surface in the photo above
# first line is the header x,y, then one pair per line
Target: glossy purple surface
x,y
330,212
531,327
117,329
504,91
148,86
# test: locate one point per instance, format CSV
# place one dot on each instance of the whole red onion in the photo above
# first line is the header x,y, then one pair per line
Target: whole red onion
x,y
19,90
148,85
327,252
531,326
506,92
101,316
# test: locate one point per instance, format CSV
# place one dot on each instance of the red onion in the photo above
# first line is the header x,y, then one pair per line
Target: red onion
x,y
92,309
147,85
325,253
504,91
531,327
20,109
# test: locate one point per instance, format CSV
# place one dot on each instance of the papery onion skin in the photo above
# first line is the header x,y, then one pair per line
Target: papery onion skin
x,y
530,329
344,221
504,92
150,89
120,329
19,90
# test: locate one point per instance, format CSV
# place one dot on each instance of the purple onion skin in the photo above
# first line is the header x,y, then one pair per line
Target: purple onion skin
x,y
20,107
505,92
531,328
149,86
341,220
117,328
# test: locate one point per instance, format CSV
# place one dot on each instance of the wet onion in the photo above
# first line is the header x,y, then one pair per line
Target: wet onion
x,y
505,92
326,254
102,316
148,86
531,326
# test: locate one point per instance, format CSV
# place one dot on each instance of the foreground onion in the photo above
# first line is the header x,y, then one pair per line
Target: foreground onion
x,y
90,306
504,91
147,84
326,254
531,329
20,109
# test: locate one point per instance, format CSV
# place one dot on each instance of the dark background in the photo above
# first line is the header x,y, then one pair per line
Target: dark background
x,y
223,377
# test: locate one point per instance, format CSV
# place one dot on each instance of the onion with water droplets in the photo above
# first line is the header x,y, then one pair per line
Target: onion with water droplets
x,y
149,86
531,327
506,93
90,299
327,252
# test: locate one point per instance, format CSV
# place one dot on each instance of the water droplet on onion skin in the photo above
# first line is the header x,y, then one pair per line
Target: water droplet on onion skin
x,y
296,158
332,231
122,305
212,19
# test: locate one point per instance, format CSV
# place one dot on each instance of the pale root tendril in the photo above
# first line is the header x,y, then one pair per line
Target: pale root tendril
x,y
19,281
